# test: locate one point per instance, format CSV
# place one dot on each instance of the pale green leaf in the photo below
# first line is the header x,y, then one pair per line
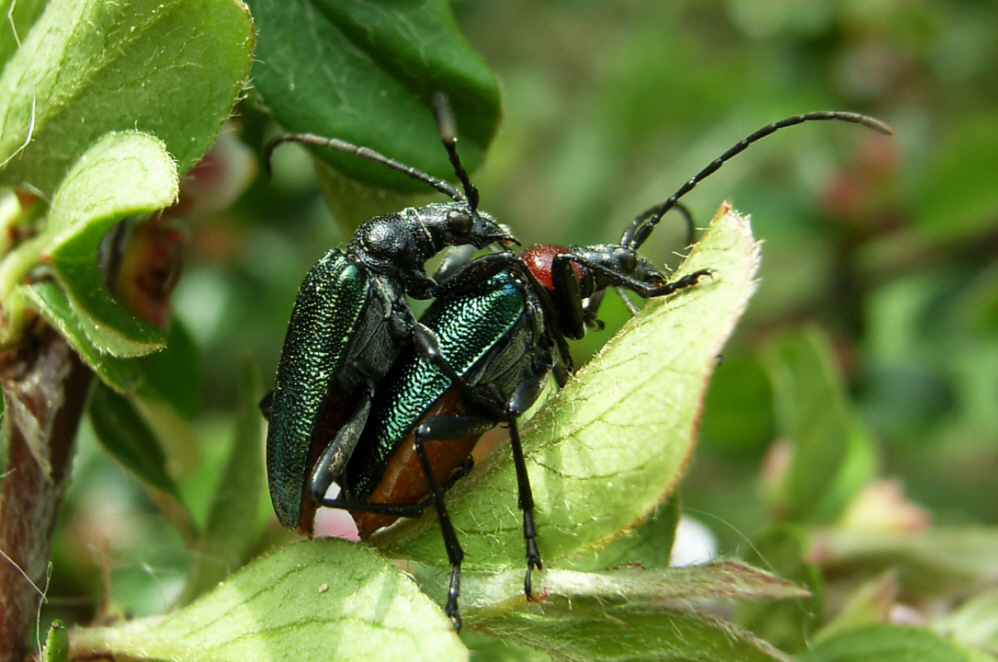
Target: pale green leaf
x,y
324,600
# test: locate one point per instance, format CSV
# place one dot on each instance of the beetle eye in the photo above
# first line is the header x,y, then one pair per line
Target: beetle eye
x,y
460,221
626,260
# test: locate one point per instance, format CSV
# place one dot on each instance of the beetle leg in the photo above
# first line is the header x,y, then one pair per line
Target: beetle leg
x,y
525,396
336,455
454,260
567,296
448,428
479,270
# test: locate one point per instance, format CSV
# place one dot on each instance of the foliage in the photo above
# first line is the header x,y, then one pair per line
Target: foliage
x,y
847,441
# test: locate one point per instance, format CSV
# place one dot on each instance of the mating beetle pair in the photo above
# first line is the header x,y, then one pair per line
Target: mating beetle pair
x,y
480,356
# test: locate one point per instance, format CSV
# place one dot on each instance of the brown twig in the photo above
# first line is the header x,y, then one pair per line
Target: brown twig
x,y
45,388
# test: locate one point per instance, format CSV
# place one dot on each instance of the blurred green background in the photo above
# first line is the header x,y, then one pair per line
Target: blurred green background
x,y
888,244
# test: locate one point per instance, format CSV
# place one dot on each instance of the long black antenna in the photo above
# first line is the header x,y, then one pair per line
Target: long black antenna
x,y
448,135
364,153
638,232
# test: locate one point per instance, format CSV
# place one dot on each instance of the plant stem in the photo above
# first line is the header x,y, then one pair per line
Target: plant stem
x,y
45,387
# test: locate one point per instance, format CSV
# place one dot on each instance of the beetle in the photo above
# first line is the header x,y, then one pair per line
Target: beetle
x,y
482,356
349,321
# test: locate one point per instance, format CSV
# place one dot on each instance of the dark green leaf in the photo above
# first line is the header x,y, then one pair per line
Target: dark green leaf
x,y
366,72
173,374
885,643
127,438
171,68
231,520
832,456
50,301
606,450
323,600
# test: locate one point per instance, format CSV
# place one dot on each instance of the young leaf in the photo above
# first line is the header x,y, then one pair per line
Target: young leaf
x,y
171,68
230,528
607,449
318,600
366,73
123,174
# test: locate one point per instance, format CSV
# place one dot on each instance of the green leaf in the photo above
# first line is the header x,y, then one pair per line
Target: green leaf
x,y
127,438
649,544
171,68
787,625
491,649
366,72
974,623
122,175
944,561
631,634
321,600
50,300
832,456
607,449
956,201
19,16
56,643
886,643
230,528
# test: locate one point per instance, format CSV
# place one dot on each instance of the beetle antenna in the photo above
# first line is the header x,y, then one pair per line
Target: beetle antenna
x,y
448,135
364,153
638,232
638,222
